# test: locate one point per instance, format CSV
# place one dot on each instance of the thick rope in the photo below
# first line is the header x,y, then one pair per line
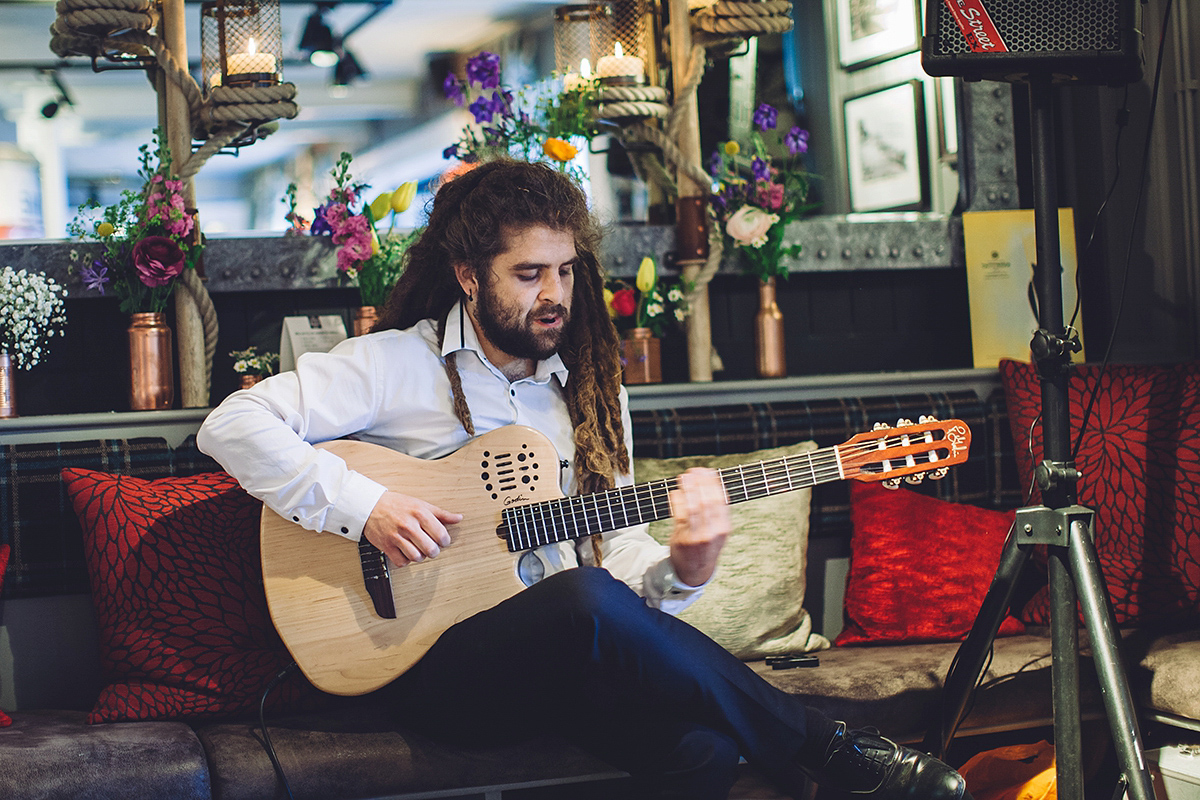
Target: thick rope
x,y
745,18
95,27
191,283
256,104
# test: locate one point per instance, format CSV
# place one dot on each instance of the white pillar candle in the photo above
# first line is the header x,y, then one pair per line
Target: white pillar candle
x,y
621,66
250,62
573,80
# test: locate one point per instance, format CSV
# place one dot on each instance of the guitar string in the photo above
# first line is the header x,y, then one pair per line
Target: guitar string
x,y
765,473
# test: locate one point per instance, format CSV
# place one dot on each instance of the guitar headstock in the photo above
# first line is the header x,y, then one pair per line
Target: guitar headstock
x,y
906,451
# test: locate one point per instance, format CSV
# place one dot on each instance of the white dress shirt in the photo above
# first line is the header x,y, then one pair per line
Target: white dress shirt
x,y
390,388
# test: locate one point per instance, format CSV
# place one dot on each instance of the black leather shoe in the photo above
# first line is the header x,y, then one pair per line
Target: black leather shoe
x,y
863,762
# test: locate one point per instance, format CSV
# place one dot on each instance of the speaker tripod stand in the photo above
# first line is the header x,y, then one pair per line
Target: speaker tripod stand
x,y
1067,528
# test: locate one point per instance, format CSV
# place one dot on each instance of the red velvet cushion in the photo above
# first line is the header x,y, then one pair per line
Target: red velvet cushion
x,y
1140,460
5,551
919,566
177,588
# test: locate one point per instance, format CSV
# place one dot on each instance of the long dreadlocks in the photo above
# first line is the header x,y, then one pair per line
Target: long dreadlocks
x,y
470,222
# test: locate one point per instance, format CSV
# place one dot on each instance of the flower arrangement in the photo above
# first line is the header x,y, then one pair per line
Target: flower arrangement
x,y
649,303
534,124
373,262
148,236
753,211
32,312
379,273
252,362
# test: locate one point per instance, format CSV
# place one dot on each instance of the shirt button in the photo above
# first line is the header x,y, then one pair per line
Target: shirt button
x,y
512,392
295,519
345,529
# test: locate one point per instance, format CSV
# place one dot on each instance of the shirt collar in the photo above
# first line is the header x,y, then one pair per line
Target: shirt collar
x,y
460,335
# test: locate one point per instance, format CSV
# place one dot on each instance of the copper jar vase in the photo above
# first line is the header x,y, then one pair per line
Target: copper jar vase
x,y
641,357
151,367
8,388
768,333
364,319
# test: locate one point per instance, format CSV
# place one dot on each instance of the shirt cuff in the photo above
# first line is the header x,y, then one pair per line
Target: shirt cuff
x,y
669,593
354,505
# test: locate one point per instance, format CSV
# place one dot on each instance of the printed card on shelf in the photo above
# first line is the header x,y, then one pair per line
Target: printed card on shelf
x,y
309,334
1001,253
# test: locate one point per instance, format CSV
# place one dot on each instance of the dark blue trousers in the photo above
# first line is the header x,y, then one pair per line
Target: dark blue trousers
x,y
580,655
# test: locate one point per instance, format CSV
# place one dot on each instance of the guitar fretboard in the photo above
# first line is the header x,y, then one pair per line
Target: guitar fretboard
x,y
565,518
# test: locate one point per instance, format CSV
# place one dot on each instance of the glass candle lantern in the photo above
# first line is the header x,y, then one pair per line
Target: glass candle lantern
x,y
583,32
241,43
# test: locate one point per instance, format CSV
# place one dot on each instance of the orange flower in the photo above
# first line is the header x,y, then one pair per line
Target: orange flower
x,y
559,150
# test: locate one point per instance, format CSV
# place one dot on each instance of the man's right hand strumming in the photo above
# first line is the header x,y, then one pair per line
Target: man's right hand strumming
x,y
407,529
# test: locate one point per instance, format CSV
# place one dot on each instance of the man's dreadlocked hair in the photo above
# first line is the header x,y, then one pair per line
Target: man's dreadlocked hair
x,y
470,222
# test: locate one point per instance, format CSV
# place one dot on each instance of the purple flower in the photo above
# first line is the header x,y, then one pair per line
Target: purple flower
x,y
714,163
450,152
482,109
760,169
453,89
765,117
320,225
484,69
95,276
158,260
796,140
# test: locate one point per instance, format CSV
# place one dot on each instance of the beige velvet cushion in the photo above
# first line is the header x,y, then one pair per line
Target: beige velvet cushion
x,y
754,607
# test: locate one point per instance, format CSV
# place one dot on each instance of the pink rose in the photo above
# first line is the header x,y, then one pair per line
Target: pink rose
x,y
749,225
770,195
158,260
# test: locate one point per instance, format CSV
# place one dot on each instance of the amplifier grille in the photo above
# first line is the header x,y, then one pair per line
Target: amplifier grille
x,y
1039,26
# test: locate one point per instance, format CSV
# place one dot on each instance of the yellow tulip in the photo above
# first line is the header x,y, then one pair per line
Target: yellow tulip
x,y
559,150
374,242
732,148
403,196
105,229
381,205
646,276
608,303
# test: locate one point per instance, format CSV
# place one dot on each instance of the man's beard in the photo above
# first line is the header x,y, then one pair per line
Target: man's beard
x,y
513,334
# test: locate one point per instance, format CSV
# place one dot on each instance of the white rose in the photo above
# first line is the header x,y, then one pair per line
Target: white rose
x,y
749,225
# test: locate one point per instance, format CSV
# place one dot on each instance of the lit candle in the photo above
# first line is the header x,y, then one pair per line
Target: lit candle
x,y
573,81
250,62
620,68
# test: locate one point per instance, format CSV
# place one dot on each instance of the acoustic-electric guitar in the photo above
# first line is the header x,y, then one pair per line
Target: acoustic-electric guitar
x,y
353,625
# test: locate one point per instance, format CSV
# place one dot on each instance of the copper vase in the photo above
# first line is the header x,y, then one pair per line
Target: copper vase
x,y
8,393
151,369
246,381
768,333
364,319
641,357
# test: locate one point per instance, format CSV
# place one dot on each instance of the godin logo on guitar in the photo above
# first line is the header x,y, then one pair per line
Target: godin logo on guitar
x,y
959,438
520,498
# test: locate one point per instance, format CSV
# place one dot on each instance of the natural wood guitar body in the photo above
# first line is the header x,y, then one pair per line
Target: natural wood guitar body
x,y
314,581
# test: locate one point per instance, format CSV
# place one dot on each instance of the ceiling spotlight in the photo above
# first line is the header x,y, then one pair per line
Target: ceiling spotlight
x,y
64,97
317,39
347,70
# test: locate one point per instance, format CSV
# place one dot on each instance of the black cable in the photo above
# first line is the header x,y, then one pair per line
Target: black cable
x,y
262,723
1137,211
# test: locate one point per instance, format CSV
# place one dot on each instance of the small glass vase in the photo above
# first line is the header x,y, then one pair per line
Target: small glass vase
x,y
8,387
769,345
364,319
151,364
641,357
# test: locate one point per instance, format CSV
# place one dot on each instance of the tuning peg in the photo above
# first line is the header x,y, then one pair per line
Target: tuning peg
x,y
915,479
924,418
891,483
903,423
939,473
880,426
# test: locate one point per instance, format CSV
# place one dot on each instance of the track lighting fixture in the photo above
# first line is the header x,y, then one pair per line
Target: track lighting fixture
x,y
317,39
347,70
63,97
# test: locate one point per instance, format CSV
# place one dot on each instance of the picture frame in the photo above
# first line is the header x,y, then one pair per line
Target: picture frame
x,y
886,154
870,31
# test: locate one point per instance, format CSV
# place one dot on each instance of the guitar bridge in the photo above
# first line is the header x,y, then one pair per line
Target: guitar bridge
x,y
377,578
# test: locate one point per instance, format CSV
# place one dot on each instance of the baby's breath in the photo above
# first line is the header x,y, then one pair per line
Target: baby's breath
x,y
252,362
32,312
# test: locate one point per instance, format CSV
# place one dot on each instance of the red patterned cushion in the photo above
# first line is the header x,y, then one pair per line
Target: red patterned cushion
x,y
1140,459
177,588
919,567
5,552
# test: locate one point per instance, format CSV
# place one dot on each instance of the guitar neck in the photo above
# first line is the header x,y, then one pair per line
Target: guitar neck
x,y
566,518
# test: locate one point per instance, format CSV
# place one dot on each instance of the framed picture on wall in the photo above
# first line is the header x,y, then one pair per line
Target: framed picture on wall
x,y
870,31
885,149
